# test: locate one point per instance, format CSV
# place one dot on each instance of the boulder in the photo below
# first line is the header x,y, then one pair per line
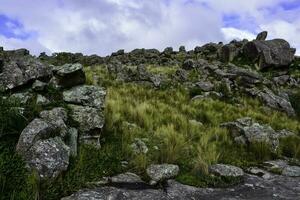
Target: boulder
x,y
270,53
292,171
70,75
36,130
49,157
86,95
42,150
162,172
226,170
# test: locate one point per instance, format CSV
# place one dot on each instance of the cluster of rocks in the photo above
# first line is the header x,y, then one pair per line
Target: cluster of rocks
x,y
247,131
49,140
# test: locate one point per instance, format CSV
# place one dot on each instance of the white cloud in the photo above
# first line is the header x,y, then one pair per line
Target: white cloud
x,y
104,26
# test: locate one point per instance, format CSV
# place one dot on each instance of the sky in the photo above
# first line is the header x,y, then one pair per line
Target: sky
x,y
104,26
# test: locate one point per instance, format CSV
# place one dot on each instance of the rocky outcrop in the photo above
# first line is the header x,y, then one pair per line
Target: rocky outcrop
x,y
19,69
246,131
269,53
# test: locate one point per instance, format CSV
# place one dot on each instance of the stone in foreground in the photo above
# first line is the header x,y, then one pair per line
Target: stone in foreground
x,y
226,170
162,172
49,157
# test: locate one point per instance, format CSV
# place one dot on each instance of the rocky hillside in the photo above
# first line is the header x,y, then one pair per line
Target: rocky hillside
x,y
217,122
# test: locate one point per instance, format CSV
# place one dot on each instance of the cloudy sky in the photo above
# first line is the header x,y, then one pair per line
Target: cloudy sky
x,y
104,26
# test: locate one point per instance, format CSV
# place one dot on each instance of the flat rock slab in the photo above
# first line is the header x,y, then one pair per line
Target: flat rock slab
x,y
254,187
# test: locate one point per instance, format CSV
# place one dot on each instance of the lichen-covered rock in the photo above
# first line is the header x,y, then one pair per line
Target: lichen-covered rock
x,y
189,64
70,75
58,117
226,170
86,95
36,130
262,36
162,172
126,178
49,157
87,117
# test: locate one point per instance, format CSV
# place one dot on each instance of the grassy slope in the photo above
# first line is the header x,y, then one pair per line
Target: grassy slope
x,y
166,120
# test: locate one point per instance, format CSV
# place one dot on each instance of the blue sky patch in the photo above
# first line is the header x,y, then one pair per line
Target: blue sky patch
x,y
290,5
11,28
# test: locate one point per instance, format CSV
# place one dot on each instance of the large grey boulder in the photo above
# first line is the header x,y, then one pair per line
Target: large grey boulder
x,y
270,53
226,170
20,71
70,75
49,157
205,86
36,130
42,150
162,172
86,95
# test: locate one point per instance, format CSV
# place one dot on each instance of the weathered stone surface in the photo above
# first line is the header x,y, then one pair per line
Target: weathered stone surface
x,y
253,187
126,178
246,131
226,170
70,75
162,172
36,130
49,157
273,101
88,118
19,71
292,171
86,95
23,97
271,53
58,117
